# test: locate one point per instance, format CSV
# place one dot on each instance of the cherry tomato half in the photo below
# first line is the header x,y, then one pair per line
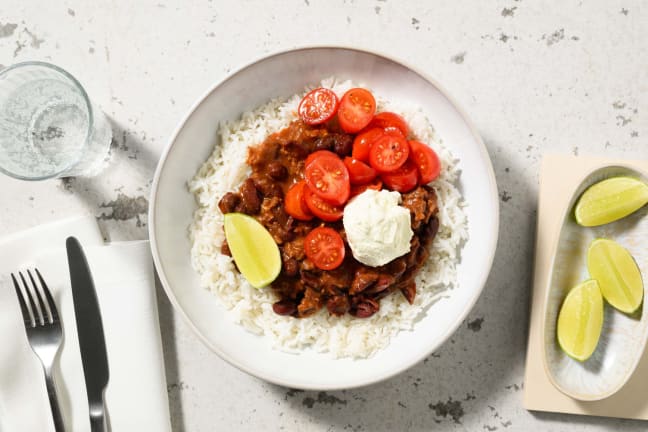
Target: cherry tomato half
x,y
388,119
356,110
388,153
358,189
363,142
426,160
404,179
327,176
393,131
311,157
359,172
320,208
294,202
318,106
325,248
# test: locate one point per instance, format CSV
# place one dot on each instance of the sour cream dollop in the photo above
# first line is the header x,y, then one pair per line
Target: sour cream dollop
x,y
377,228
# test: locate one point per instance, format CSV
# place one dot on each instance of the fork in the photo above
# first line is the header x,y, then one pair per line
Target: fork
x,y
43,329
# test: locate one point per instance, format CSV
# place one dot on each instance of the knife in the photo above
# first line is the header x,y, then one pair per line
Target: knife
x,y
91,335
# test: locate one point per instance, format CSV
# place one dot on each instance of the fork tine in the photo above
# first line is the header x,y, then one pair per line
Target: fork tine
x,y
38,316
27,316
48,296
44,308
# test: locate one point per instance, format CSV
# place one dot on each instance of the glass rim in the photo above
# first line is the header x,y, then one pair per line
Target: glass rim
x,y
86,99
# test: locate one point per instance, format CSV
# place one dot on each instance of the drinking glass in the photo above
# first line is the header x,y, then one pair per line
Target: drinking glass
x,y
48,126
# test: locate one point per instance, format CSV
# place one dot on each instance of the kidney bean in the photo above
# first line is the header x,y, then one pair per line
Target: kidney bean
x,y
409,291
228,203
250,201
284,307
343,144
338,305
277,171
365,308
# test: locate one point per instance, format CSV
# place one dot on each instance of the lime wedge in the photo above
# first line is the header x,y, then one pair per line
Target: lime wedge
x,y
255,252
617,274
609,200
580,320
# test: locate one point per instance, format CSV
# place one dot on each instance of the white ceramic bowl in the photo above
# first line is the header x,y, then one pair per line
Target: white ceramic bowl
x,y
285,74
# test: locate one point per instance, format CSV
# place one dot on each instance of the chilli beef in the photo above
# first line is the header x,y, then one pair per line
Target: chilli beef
x,y
302,287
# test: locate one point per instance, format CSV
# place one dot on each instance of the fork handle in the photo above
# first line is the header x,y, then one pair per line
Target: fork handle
x,y
53,399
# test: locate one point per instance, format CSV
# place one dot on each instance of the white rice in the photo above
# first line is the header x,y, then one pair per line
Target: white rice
x,y
344,336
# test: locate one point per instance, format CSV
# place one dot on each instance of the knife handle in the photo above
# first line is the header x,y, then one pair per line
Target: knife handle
x,y
97,424
53,400
98,417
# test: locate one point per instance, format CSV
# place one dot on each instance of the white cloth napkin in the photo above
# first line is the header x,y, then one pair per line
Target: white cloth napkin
x,y
136,396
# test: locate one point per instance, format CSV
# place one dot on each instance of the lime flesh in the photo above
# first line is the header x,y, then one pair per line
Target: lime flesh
x,y
580,320
617,274
610,200
254,250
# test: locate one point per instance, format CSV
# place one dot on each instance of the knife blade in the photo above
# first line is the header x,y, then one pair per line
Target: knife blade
x,y
90,330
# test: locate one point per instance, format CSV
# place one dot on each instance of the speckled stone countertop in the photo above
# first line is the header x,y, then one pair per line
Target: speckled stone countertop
x,y
535,76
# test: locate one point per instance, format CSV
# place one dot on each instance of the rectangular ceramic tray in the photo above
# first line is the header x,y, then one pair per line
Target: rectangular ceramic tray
x,y
560,175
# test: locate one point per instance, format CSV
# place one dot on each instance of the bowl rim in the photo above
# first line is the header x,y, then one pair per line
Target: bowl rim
x,y
491,247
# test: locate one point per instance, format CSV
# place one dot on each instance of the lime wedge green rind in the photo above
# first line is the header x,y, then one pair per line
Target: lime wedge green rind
x,y
617,274
580,320
254,250
610,200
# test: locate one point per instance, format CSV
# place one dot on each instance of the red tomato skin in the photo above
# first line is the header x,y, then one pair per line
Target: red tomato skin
x,y
388,153
359,172
318,106
327,176
325,248
426,160
320,208
356,109
363,142
393,131
294,203
311,157
404,179
358,189
388,119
